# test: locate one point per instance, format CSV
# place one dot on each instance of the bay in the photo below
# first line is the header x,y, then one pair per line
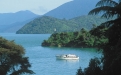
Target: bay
x,y
43,59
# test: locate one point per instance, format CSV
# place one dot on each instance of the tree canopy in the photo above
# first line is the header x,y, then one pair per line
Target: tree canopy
x,y
112,50
82,38
12,59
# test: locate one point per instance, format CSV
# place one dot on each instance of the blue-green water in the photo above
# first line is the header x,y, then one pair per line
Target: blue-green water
x,y
43,59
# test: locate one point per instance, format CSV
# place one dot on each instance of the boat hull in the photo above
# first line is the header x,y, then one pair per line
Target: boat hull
x,y
67,57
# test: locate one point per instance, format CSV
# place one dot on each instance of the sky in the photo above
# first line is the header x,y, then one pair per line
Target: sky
x,y
36,6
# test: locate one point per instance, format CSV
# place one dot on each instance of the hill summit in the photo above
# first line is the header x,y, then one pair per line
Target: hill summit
x,y
72,9
11,22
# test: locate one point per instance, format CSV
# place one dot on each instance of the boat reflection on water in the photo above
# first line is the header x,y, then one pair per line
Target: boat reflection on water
x,y
71,61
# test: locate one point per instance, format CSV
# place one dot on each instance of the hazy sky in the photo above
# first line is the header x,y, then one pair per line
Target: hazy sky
x,y
36,6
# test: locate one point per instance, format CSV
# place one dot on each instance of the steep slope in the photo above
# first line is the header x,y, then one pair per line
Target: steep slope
x,y
46,24
73,9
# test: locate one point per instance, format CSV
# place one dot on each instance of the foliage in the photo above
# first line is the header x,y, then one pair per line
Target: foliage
x,y
94,68
112,50
12,60
46,24
80,72
83,38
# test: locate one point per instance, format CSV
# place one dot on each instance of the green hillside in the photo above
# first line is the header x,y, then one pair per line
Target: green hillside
x,y
47,24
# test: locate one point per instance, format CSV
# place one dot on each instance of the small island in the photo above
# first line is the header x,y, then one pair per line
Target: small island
x,y
96,37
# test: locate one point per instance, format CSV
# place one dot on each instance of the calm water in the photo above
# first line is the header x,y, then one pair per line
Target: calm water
x,y
43,59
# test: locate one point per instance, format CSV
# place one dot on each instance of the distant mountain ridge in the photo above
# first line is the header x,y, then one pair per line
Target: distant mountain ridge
x,y
73,9
9,18
11,22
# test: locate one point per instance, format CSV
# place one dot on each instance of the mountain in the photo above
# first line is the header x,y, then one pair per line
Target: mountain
x,y
48,25
10,18
72,9
12,28
11,22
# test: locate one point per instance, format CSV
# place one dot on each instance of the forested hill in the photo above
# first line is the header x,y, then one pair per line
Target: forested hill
x,y
46,24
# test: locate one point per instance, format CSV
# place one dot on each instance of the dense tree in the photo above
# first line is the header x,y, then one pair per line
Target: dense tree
x,y
112,50
94,68
80,72
12,60
82,38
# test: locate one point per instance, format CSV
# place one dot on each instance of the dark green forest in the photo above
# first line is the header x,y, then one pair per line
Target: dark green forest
x,y
49,25
110,63
85,39
12,59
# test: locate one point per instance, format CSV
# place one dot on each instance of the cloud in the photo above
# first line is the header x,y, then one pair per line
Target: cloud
x,y
40,10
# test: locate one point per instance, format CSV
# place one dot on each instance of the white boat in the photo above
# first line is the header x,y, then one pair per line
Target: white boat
x,y
67,56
